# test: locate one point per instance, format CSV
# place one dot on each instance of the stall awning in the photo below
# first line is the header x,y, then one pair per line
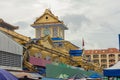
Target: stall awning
x,y
113,71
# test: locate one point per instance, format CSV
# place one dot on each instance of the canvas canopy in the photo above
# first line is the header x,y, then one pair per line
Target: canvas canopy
x,y
113,71
65,71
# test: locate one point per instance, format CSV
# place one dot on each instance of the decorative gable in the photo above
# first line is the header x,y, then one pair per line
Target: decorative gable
x,y
47,17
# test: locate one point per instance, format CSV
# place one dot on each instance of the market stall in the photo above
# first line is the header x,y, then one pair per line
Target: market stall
x,y
113,72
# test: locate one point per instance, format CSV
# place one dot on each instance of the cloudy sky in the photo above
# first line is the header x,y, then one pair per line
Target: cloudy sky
x,y
97,21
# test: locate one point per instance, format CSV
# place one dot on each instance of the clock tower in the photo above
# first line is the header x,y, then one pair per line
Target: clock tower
x,y
49,24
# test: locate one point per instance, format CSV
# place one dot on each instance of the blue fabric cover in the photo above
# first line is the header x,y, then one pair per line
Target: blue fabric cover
x,y
112,72
75,52
5,75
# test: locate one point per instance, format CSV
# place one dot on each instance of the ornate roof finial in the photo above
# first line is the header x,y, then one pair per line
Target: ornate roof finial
x,y
48,11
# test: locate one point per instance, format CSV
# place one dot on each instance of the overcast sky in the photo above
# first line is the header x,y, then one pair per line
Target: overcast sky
x,y
97,21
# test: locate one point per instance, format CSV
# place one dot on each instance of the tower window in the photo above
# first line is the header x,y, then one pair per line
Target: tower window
x,y
46,17
55,32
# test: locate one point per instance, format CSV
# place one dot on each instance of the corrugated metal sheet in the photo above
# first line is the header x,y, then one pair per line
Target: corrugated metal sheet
x,y
7,59
7,44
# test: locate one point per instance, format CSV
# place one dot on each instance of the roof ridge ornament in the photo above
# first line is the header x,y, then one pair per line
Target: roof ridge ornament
x,y
48,11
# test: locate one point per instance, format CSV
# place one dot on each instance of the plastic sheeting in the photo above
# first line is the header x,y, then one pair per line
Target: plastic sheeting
x,y
7,44
5,75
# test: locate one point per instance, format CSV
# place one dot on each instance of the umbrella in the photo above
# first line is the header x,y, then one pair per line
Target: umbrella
x,y
2,77
5,75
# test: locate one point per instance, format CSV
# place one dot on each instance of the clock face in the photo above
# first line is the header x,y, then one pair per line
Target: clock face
x,y
46,31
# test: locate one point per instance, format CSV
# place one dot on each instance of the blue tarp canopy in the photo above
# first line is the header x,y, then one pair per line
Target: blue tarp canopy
x,y
5,75
95,75
75,52
113,71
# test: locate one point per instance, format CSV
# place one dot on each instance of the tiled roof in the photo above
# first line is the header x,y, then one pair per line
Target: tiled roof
x,y
6,25
102,51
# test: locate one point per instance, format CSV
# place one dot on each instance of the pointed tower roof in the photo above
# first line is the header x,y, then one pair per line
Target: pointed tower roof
x,y
48,18
47,12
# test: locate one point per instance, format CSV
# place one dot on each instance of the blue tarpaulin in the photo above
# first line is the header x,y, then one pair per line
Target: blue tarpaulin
x,y
95,75
5,75
112,73
75,52
57,38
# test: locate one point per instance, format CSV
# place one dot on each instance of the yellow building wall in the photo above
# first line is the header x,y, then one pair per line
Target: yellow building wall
x,y
38,33
46,44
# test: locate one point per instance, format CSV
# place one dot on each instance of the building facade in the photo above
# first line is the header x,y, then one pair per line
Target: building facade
x,y
103,57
